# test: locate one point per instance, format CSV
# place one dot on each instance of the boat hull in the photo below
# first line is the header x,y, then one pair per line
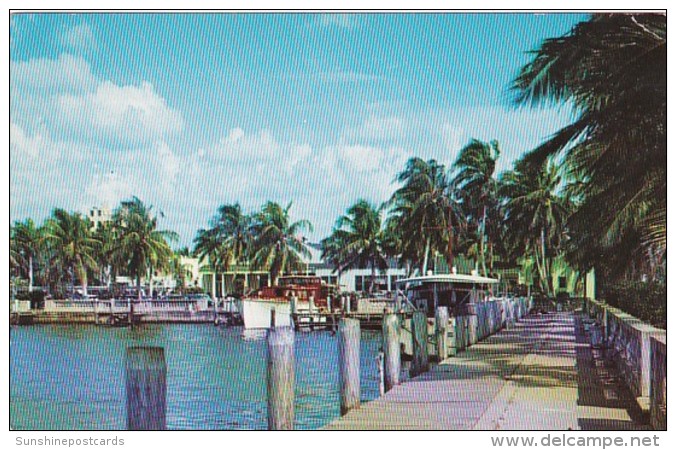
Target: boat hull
x,y
257,313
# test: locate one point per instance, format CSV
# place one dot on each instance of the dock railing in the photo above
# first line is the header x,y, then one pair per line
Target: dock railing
x,y
639,350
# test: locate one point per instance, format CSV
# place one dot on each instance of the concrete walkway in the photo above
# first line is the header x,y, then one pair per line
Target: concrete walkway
x,y
540,375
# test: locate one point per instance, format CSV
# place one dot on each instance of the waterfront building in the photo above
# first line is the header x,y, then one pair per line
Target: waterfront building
x,y
98,216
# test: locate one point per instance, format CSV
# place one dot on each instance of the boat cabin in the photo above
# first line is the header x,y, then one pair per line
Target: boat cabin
x,y
301,287
427,292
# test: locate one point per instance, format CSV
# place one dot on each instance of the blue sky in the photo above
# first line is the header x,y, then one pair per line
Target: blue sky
x,y
191,111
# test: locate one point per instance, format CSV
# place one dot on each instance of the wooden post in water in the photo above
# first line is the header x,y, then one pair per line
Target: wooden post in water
x,y
272,318
294,312
281,378
96,311
381,373
348,364
420,363
441,322
146,385
391,349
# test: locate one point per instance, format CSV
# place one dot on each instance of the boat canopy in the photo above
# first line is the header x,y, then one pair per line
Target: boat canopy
x,y
454,278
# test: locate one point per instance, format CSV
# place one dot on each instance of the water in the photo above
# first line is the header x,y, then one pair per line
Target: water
x,y
71,377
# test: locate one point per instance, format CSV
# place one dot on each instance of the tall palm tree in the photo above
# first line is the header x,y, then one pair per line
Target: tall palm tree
x,y
426,210
475,168
25,243
106,234
275,245
69,236
227,241
141,247
612,70
535,213
358,240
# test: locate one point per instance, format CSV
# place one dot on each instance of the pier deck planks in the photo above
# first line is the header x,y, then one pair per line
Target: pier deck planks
x,y
539,375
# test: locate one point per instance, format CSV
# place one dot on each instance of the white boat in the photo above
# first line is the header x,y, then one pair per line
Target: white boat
x,y
425,293
310,296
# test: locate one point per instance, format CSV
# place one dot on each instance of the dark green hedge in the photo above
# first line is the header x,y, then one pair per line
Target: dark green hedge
x,y
644,300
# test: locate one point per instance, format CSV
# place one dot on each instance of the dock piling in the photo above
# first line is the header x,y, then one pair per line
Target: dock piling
x,y
281,378
348,363
146,388
381,373
420,363
441,322
391,350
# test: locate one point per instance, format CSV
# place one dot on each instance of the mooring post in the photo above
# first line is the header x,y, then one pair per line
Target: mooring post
x,y
441,322
391,349
381,373
420,363
294,312
146,387
272,318
281,378
348,364
96,311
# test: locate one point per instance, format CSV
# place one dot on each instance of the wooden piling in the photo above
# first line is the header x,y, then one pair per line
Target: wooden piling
x,y
381,373
146,387
441,327
272,318
391,350
348,364
420,363
294,312
281,378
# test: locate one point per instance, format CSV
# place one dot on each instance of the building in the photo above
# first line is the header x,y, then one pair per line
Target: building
x,y
99,216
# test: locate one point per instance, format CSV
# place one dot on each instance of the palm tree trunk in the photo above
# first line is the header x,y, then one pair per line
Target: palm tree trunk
x,y
213,285
427,252
373,277
450,247
30,274
544,262
482,250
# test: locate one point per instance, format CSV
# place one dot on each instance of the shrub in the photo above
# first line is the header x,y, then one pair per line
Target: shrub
x,y
646,301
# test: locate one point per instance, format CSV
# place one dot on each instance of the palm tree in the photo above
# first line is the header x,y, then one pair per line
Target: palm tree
x,y
106,234
358,241
535,213
25,243
69,236
275,244
226,242
426,210
475,168
612,70
141,248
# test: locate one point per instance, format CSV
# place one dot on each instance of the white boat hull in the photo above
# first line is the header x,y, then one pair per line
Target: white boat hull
x,y
257,313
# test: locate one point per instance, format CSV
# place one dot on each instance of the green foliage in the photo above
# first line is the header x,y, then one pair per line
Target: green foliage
x,y
357,241
646,301
612,69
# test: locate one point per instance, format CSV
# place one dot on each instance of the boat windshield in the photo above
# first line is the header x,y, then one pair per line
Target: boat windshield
x,y
300,281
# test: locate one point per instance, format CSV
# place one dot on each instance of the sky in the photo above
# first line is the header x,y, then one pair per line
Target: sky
x,y
192,111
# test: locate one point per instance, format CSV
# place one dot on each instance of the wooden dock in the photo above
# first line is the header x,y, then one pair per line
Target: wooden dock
x,y
541,374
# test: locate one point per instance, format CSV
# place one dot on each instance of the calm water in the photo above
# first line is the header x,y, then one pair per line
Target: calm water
x,y
72,377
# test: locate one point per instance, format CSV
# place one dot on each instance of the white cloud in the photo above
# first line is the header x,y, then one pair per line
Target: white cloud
x,y
42,77
109,189
65,98
79,38
360,158
339,20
